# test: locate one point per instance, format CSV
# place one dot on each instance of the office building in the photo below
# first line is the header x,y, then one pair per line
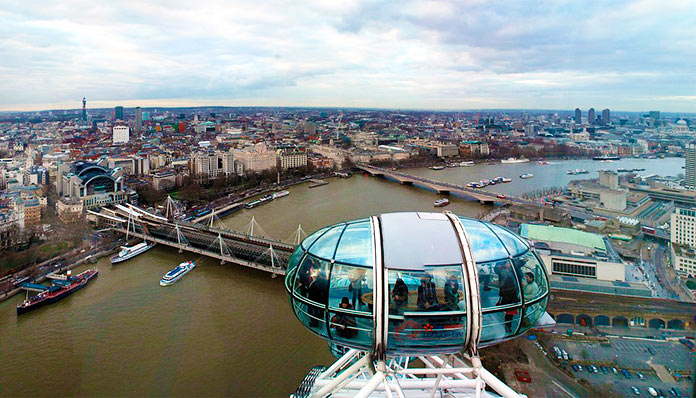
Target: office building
x,y
655,115
578,116
690,166
590,117
118,113
121,134
606,117
683,238
292,158
205,165
138,120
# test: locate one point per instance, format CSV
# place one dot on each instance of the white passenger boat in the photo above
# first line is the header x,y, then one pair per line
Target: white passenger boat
x,y
280,194
441,202
127,253
176,274
514,160
526,175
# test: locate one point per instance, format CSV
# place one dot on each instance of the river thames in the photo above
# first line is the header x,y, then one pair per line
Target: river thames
x,y
221,330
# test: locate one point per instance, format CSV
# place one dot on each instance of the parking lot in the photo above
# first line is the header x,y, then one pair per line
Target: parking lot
x,y
633,356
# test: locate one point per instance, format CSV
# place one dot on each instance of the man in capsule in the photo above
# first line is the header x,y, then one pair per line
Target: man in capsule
x,y
427,295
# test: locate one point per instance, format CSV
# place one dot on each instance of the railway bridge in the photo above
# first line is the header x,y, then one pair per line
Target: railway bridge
x,y
245,249
596,309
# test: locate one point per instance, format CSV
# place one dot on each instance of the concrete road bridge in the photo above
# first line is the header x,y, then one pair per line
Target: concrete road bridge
x,y
245,249
595,309
443,187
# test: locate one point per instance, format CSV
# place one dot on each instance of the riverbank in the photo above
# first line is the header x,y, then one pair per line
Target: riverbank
x,y
91,257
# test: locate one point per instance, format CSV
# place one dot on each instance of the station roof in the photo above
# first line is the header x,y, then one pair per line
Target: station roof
x,y
550,233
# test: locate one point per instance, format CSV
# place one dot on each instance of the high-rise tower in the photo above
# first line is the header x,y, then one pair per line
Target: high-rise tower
x,y
138,120
118,113
690,166
578,116
590,117
606,117
84,108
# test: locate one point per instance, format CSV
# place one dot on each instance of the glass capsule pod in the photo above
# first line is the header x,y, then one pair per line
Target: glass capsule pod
x,y
414,266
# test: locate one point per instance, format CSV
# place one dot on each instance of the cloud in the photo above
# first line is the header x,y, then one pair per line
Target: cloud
x,y
397,54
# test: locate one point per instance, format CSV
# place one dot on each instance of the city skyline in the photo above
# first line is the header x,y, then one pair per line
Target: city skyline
x,y
624,56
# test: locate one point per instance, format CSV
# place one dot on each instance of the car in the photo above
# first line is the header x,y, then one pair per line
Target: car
x,y
575,368
651,351
499,196
640,376
652,392
522,376
579,368
614,371
604,369
635,390
675,392
626,373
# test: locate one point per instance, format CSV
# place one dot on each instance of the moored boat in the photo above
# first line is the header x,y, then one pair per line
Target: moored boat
x,y
607,157
526,175
176,273
58,290
441,202
280,194
466,163
437,168
127,253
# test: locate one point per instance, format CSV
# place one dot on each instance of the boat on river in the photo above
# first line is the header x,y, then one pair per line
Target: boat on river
x,y
607,157
437,168
177,273
441,202
280,194
59,289
526,176
514,160
127,253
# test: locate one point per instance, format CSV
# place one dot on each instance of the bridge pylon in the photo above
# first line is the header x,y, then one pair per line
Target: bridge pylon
x,y
297,236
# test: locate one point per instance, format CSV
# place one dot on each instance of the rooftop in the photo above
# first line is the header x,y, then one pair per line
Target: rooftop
x,y
563,235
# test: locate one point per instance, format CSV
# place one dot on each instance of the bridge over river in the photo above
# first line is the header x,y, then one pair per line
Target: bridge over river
x,y
239,248
444,187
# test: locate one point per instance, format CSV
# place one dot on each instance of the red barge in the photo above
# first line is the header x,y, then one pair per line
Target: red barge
x,y
58,290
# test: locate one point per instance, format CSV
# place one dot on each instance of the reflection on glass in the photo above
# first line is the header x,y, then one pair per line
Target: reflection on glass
x,y
312,316
426,331
352,283
325,247
499,324
498,283
437,288
355,246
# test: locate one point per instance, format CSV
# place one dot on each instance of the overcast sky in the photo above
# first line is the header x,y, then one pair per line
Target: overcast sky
x,y
634,55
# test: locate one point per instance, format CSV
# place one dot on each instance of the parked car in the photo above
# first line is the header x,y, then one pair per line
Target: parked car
x,y
579,368
626,373
652,392
640,376
604,369
575,368
635,390
614,370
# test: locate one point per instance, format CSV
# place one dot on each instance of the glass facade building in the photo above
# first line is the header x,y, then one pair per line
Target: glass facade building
x,y
410,283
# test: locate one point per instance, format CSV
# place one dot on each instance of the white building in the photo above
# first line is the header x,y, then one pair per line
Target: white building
x,y
290,159
255,158
683,238
121,134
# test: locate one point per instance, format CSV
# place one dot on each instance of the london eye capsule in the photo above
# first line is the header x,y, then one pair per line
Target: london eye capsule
x,y
410,283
